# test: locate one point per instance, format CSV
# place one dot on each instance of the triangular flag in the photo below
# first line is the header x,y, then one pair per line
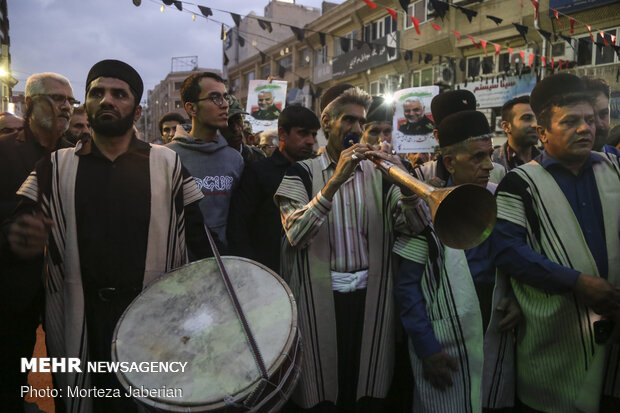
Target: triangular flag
x,y
265,25
322,38
613,40
536,5
436,27
602,34
392,13
590,31
572,25
241,40
458,35
546,34
223,33
474,41
404,4
236,18
552,63
205,11
532,56
557,16
496,20
560,64
484,46
370,4
408,55
167,2
416,24
567,38
178,5
522,30
510,50
470,14
225,60
299,33
522,54
497,48
440,7
544,60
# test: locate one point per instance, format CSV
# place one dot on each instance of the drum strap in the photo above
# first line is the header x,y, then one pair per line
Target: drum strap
x,y
258,358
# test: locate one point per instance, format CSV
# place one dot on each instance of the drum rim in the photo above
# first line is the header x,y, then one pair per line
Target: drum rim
x,y
176,406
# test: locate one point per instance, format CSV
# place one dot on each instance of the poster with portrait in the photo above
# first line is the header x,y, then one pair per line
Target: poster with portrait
x,y
266,99
413,123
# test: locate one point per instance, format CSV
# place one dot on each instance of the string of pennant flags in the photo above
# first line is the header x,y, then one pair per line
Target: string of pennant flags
x,y
440,7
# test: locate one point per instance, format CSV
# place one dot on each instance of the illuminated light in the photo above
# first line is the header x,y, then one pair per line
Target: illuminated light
x,y
388,99
162,8
193,17
3,72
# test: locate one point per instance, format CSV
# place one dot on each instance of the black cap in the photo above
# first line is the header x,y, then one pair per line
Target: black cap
x,y
552,88
379,111
332,93
450,102
461,126
118,70
235,108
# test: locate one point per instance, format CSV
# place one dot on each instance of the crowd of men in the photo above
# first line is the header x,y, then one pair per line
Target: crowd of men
x,y
391,318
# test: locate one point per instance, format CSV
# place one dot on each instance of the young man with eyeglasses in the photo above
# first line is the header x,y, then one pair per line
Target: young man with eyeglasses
x,y
49,104
205,153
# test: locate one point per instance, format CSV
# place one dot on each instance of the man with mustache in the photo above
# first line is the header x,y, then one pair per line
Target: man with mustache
x,y
558,238
49,104
340,216
519,124
115,229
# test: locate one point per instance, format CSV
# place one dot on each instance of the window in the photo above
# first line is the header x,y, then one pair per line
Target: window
x,y
589,53
235,84
503,62
473,66
377,88
415,79
338,43
488,65
265,71
584,51
177,104
416,9
178,85
427,77
379,28
321,55
286,62
251,76
604,54
304,57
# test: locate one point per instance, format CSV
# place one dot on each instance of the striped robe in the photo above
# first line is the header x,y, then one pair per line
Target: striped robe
x,y
559,366
309,275
64,316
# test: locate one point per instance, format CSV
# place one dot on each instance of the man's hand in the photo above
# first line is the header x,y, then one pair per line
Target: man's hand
x,y
349,159
437,369
598,294
512,316
28,235
386,154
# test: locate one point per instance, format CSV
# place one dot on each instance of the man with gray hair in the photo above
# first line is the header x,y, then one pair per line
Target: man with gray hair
x,y
340,216
417,123
49,104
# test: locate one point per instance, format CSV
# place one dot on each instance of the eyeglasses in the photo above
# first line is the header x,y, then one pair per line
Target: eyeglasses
x,y
60,99
217,98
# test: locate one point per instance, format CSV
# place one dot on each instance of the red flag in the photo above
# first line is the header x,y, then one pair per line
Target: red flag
x,y
416,24
497,48
474,41
560,64
602,33
613,40
522,53
557,16
532,56
572,25
370,4
536,4
458,36
484,46
544,60
436,27
552,63
392,12
590,31
510,50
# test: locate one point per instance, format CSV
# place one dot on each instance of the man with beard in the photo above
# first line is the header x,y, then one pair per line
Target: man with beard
x,y
79,127
340,217
599,96
519,124
121,212
266,109
254,227
416,121
49,103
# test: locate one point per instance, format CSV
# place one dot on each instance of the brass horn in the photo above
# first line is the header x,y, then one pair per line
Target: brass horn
x,y
463,216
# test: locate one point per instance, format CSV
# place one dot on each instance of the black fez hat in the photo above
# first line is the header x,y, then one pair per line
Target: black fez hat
x,y
461,126
332,93
553,88
379,111
450,102
119,70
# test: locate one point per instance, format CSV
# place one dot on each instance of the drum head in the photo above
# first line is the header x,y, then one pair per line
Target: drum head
x,y
187,316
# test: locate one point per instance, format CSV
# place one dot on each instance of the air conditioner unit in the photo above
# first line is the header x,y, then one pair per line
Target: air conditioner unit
x,y
563,51
443,73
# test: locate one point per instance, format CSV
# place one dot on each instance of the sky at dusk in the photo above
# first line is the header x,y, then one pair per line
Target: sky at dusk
x,y
69,36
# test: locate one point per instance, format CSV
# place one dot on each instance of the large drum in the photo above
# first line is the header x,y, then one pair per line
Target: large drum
x,y
188,317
